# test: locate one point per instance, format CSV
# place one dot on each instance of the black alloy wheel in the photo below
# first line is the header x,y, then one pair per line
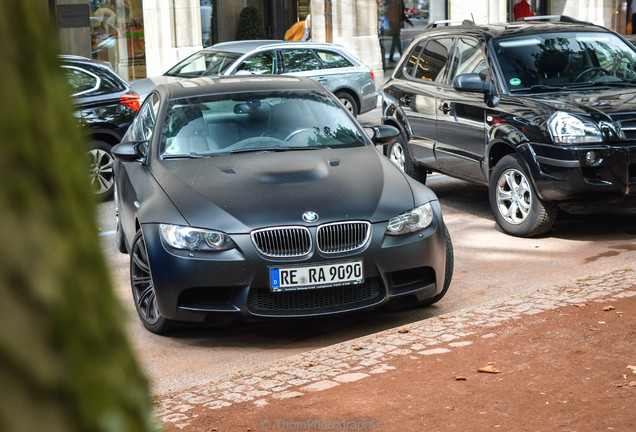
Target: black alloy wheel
x,y
143,289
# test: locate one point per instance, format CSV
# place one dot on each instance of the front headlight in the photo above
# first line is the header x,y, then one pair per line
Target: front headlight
x,y
411,221
181,237
568,129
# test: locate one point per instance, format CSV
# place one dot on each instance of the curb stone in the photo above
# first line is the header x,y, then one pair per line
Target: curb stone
x,y
360,358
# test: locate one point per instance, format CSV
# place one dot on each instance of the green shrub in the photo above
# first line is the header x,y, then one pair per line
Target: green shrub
x,y
250,25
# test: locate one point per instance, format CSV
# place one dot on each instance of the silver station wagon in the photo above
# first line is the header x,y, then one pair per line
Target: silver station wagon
x,y
331,65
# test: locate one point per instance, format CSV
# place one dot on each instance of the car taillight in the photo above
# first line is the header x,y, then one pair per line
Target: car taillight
x,y
130,100
372,75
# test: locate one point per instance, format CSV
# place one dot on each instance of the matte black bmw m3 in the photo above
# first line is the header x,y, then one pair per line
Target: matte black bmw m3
x,y
263,197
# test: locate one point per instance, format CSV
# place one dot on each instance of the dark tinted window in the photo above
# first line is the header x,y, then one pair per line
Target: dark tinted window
x,y
562,59
79,80
261,63
433,60
468,58
333,59
298,60
414,60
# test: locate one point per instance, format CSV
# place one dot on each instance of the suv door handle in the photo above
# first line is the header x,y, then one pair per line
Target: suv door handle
x,y
444,108
406,99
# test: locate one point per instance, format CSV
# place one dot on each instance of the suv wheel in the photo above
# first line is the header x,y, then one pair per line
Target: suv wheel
x,y
514,202
400,155
100,163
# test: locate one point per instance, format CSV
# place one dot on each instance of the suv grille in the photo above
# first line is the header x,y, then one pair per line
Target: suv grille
x,y
282,242
628,127
314,301
342,236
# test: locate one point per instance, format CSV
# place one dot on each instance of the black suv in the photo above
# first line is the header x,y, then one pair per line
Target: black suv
x,y
105,107
542,111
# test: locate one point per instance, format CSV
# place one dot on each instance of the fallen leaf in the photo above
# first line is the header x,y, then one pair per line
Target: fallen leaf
x,y
535,246
307,364
633,368
488,369
356,347
403,330
460,378
632,384
579,305
492,363
608,308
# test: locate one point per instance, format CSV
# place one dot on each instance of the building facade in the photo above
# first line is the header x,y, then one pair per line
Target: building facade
x,y
145,37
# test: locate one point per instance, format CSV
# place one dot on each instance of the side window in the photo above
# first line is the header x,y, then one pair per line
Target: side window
x,y
414,60
259,64
468,58
333,59
145,122
79,80
299,60
434,60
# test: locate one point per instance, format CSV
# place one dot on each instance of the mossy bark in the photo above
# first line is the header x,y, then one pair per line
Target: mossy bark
x,y
65,362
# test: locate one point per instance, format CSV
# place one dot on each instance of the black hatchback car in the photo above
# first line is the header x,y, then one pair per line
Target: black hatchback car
x,y
105,105
541,111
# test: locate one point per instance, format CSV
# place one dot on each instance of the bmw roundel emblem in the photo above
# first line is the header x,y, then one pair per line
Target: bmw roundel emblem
x,y
310,216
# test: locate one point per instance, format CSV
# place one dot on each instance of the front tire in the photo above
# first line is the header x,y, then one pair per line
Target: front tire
x,y
100,163
143,289
400,155
514,202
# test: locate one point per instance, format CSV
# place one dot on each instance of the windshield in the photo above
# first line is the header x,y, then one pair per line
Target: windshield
x,y
203,63
263,121
558,60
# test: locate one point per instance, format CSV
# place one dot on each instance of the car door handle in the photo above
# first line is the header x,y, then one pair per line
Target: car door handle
x,y
444,108
322,80
406,99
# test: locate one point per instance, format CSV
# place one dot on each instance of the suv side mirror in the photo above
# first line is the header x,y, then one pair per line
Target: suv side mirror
x,y
384,135
476,83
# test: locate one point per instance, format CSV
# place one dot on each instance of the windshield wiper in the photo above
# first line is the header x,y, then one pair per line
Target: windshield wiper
x,y
538,87
603,84
276,149
184,156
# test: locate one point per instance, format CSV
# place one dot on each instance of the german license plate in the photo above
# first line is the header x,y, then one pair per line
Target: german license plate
x,y
315,276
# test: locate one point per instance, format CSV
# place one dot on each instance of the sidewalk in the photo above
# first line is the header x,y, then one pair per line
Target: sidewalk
x,y
560,359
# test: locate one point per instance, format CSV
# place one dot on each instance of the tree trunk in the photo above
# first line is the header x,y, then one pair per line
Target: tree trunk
x,y
65,362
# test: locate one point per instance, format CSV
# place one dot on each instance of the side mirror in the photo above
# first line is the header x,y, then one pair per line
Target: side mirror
x,y
478,83
470,82
127,151
384,135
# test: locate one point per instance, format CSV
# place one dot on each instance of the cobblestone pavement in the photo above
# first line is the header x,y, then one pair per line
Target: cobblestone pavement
x,y
363,357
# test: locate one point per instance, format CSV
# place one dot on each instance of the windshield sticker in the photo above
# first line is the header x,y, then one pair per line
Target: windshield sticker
x,y
174,148
515,81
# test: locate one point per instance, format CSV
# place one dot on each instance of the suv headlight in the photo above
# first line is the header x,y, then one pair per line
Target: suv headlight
x,y
568,129
180,237
411,221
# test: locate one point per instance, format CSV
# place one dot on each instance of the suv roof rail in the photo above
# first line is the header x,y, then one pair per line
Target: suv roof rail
x,y
439,23
560,18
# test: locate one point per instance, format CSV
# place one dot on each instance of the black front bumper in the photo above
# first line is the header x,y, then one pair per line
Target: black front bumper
x,y
565,175
194,286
